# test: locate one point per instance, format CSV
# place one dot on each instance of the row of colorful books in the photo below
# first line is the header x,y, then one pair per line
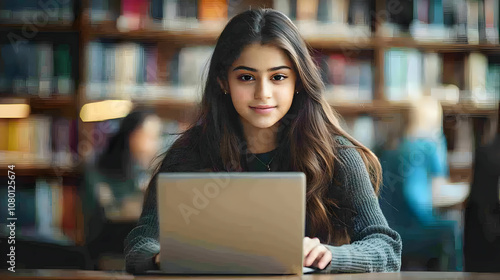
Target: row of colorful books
x,y
410,73
130,70
462,21
39,69
118,70
45,209
338,15
36,12
346,78
39,141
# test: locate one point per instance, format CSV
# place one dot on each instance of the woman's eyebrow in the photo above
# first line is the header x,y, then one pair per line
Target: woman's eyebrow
x,y
255,70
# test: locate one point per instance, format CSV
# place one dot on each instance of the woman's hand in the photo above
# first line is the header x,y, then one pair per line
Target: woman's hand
x,y
316,254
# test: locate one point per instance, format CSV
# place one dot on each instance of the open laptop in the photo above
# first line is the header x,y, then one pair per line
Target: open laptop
x,y
232,223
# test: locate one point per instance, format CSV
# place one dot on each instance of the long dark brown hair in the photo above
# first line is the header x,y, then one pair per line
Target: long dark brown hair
x,y
306,134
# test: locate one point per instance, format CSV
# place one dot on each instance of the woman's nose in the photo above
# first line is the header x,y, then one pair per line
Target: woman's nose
x,y
263,90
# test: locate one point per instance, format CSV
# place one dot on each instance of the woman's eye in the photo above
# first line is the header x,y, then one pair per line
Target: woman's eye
x,y
279,77
246,78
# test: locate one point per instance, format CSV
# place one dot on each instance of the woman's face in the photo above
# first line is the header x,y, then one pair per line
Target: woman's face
x,y
145,141
262,85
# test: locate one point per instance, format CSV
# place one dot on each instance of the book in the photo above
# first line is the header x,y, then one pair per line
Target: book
x,y
235,7
188,9
359,12
396,68
436,13
307,10
282,6
63,82
453,70
69,215
492,13
156,9
192,70
45,69
94,70
421,10
151,65
43,207
4,133
473,21
325,11
478,66
212,10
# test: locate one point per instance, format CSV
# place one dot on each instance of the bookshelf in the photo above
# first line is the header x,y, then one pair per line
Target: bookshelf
x,y
50,27
372,47
40,171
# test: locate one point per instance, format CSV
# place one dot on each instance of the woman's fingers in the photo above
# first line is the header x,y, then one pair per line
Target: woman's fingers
x,y
325,259
316,252
309,244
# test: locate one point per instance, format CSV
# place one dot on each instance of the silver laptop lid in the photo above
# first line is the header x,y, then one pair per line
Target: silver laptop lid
x,y
231,223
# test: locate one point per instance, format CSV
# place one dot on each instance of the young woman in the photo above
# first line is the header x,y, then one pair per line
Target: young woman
x,y
263,110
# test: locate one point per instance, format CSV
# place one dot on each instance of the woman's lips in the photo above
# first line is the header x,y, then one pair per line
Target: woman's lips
x,y
263,109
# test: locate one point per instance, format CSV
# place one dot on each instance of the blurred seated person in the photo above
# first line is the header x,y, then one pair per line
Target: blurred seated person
x,y
114,186
482,213
413,171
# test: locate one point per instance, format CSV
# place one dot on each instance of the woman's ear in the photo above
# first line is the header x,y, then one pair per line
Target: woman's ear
x,y
223,85
298,86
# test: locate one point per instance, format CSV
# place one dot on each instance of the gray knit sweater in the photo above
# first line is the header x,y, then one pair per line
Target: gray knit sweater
x,y
374,246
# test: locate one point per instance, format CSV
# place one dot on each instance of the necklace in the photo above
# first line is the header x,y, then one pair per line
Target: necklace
x,y
266,165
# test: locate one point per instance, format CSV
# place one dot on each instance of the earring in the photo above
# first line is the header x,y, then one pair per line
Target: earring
x,y
297,92
225,92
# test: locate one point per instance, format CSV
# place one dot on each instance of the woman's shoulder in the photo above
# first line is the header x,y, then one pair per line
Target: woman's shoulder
x,y
342,141
184,154
348,154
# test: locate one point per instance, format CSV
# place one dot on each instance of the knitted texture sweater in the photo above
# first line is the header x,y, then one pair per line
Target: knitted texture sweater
x,y
374,246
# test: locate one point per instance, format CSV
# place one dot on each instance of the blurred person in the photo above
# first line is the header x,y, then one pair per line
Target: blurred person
x,y
414,170
482,212
263,109
114,186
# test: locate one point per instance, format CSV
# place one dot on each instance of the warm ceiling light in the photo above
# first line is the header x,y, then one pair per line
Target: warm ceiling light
x,y
14,111
105,110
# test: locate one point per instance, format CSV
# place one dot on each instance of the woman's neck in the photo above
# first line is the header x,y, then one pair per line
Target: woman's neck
x,y
260,140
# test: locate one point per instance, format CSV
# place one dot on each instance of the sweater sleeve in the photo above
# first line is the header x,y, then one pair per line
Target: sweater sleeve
x,y
141,244
375,246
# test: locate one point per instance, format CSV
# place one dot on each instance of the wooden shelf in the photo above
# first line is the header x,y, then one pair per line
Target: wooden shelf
x,y
50,27
185,108
200,36
180,110
373,108
463,174
469,109
182,37
435,46
62,102
54,102
34,171
210,37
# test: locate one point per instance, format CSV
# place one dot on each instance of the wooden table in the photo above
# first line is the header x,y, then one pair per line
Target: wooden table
x,y
102,275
